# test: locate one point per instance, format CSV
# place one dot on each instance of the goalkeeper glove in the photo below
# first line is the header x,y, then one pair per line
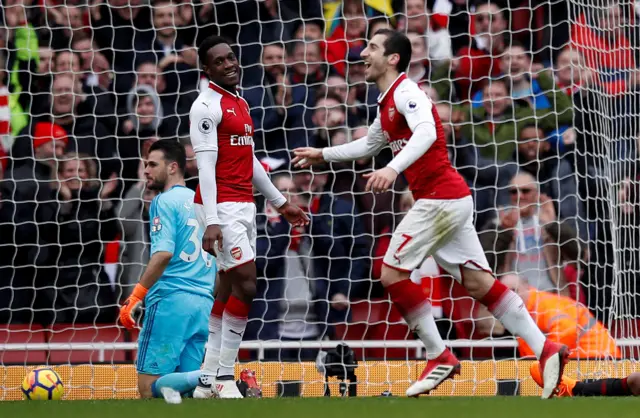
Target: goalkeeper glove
x,y
132,307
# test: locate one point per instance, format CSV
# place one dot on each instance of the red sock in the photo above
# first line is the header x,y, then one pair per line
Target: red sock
x,y
494,295
407,297
218,308
237,308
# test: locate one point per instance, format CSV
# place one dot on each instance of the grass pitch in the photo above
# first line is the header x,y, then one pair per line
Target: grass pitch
x,y
431,407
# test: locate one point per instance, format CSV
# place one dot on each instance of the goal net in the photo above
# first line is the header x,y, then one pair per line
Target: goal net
x,y
539,107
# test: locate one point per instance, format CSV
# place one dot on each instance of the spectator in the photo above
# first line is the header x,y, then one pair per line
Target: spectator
x,y
572,73
274,117
179,61
329,114
29,211
555,175
22,49
133,214
336,234
563,320
191,169
474,64
599,35
66,24
374,211
433,27
337,86
117,26
87,49
86,134
494,126
530,240
481,174
538,91
86,220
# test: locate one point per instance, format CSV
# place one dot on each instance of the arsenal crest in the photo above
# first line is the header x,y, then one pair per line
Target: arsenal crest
x,y
236,253
392,113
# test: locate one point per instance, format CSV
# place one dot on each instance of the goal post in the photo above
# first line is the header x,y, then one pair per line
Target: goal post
x,y
539,105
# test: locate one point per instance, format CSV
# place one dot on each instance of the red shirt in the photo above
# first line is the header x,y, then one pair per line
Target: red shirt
x,y
224,125
431,176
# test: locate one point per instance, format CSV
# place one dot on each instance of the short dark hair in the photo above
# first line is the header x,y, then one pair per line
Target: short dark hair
x,y
397,43
173,152
209,43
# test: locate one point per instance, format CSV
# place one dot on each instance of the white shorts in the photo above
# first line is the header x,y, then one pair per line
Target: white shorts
x,y
442,229
238,225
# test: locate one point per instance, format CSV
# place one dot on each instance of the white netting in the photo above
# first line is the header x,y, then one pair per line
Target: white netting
x,y
548,90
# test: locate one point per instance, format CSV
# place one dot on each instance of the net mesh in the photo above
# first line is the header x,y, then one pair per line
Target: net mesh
x,y
540,109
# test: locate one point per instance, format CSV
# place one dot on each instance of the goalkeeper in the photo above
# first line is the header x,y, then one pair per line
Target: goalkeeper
x,y
176,287
628,386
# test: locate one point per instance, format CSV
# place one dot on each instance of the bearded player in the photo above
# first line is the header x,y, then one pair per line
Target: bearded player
x,y
222,138
440,224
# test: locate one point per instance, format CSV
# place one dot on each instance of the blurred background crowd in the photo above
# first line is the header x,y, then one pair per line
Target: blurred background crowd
x,y
539,106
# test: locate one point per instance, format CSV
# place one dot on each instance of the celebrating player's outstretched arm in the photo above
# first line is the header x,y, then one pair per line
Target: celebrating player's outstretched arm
x,y
440,224
176,286
222,138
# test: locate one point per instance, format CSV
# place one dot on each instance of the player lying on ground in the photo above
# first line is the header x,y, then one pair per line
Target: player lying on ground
x,y
440,224
628,386
222,138
177,285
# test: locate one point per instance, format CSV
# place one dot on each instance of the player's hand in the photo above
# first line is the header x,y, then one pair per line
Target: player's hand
x,y
307,156
380,180
212,234
293,214
131,309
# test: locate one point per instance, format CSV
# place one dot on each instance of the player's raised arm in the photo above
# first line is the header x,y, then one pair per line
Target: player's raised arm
x,y
365,147
262,182
204,139
417,110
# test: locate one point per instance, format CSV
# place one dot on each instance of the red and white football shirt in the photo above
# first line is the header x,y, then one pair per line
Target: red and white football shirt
x,y
402,108
220,122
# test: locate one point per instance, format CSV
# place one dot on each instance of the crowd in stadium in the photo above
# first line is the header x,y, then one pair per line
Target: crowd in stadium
x,y
86,88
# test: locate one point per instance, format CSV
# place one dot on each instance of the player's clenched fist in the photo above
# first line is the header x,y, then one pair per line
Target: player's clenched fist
x,y
212,234
293,214
131,309
307,156
380,180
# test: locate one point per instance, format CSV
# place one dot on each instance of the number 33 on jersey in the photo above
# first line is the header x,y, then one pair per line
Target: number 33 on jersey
x,y
174,229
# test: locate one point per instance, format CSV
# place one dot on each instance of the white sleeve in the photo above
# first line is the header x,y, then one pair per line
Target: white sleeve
x,y
367,146
262,182
204,139
417,109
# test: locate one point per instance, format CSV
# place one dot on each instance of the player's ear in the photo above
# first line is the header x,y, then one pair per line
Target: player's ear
x,y
393,59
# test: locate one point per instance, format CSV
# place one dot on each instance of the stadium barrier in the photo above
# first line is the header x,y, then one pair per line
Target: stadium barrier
x,y
260,346
478,378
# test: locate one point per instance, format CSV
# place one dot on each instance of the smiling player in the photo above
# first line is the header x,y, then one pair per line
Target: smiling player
x,y
222,138
440,224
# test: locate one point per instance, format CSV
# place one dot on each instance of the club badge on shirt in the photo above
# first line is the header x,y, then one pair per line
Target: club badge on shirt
x,y
392,113
156,225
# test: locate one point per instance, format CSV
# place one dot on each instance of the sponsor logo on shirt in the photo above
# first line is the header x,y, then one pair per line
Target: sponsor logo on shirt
x,y
232,111
398,145
240,140
156,225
